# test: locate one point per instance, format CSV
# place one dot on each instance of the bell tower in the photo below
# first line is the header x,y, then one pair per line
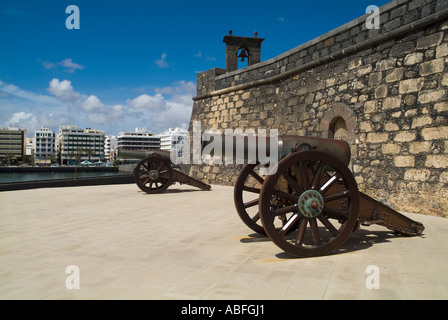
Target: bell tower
x,y
242,48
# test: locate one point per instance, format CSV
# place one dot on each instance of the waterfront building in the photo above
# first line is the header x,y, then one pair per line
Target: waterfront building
x,y
173,140
110,148
140,139
12,145
44,146
29,150
87,144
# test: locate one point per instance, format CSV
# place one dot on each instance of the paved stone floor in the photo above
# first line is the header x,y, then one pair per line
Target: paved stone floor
x,y
191,244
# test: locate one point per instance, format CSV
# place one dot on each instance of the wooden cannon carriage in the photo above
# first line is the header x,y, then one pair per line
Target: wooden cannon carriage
x,y
310,203
154,172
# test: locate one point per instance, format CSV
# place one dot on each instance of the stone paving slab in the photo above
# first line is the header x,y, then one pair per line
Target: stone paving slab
x,y
191,244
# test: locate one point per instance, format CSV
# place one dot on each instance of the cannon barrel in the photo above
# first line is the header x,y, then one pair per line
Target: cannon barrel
x,y
244,147
142,154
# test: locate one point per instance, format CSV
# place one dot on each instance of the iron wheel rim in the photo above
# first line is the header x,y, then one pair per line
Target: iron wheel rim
x,y
153,174
316,235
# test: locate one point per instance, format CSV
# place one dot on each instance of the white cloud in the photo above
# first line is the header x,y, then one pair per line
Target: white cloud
x,y
161,63
96,112
101,114
92,103
13,90
63,90
169,107
147,102
49,65
70,66
17,119
204,57
34,121
67,65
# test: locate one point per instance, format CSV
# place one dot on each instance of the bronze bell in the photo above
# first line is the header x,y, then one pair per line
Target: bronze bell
x,y
243,55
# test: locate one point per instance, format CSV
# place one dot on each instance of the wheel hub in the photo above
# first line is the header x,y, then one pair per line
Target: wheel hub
x,y
311,203
153,175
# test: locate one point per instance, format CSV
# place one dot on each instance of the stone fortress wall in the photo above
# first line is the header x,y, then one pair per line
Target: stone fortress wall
x,y
382,90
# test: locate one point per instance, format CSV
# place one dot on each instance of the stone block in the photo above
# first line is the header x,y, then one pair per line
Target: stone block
x,y
377,137
355,63
441,106
330,81
409,99
381,91
435,133
365,126
245,95
398,12
437,161
402,48
369,106
364,70
445,80
431,96
385,64
405,136
390,148
419,147
421,121
442,50
395,75
411,85
444,177
391,126
430,41
404,161
391,103
417,174
375,78
433,66
413,58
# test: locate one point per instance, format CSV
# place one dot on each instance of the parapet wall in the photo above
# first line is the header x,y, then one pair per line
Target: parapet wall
x,y
386,87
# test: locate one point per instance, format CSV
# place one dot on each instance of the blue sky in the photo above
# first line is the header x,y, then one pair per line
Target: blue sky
x,y
134,63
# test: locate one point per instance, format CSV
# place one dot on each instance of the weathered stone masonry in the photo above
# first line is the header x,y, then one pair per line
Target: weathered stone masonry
x,y
386,88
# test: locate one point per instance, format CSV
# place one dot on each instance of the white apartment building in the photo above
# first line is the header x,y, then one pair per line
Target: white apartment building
x,y
29,148
88,143
173,140
140,139
44,146
110,148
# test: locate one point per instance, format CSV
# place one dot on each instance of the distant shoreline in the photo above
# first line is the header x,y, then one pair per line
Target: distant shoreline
x,y
72,182
56,169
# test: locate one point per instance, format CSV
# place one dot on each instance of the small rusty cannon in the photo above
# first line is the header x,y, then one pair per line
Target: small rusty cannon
x,y
154,173
310,203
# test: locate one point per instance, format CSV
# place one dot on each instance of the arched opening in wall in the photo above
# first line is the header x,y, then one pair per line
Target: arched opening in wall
x,y
338,129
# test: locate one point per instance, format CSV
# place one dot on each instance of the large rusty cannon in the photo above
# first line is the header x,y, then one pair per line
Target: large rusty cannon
x,y
310,203
154,172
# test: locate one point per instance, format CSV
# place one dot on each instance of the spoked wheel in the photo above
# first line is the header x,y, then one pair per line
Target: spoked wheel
x,y
320,195
246,193
153,174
